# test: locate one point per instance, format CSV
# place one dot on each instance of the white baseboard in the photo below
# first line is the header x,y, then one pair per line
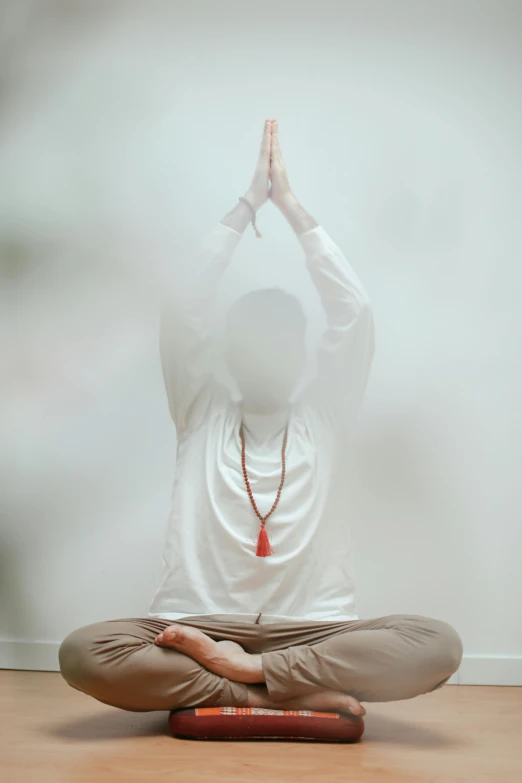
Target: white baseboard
x,y
30,656
474,669
490,670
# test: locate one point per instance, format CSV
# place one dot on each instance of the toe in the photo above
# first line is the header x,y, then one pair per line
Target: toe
x,y
171,632
357,709
354,707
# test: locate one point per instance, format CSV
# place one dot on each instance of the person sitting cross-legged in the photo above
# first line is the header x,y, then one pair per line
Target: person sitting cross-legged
x,y
256,602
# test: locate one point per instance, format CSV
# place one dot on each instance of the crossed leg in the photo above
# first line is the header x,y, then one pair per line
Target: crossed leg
x,y
143,664
117,662
334,666
230,660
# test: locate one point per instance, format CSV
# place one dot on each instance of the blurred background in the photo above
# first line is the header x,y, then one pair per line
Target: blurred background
x,y
126,130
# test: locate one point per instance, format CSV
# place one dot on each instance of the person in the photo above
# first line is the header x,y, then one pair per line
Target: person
x,y
256,602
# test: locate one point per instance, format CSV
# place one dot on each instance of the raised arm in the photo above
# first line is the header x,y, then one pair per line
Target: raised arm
x,y
186,347
347,347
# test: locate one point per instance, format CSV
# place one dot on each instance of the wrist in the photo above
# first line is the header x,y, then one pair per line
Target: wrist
x,y
296,215
287,204
255,199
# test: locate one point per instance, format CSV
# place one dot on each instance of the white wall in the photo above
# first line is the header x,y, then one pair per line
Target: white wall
x,y
126,133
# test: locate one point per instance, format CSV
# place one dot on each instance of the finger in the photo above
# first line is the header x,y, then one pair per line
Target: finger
x,y
266,141
276,149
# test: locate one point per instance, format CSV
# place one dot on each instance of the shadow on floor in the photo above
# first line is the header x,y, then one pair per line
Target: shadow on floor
x,y
114,724
384,729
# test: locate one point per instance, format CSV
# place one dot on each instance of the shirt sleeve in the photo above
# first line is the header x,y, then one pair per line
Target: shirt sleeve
x,y
185,340
347,347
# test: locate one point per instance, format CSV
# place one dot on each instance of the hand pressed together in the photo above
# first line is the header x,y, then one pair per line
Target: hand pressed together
x,y
270,180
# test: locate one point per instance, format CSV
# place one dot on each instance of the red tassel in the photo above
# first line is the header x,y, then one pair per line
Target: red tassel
x,y
263,544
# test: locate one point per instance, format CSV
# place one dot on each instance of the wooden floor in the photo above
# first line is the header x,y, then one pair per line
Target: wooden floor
x,y
51,733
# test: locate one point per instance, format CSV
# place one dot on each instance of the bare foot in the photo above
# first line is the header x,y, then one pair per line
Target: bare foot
x,y
323,701
226,658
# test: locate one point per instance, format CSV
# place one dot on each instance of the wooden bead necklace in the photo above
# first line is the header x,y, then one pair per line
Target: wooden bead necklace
x,y
264,548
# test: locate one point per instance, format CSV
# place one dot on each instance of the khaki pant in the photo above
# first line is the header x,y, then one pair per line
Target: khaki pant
x,y
384,659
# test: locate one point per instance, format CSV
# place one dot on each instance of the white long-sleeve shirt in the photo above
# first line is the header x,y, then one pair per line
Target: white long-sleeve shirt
x,y
209,562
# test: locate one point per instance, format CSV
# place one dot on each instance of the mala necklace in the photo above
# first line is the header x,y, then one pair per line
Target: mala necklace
x,y
263,544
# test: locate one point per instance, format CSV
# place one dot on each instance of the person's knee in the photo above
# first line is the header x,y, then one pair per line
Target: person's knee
x,y
130,673
446,648
74,659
